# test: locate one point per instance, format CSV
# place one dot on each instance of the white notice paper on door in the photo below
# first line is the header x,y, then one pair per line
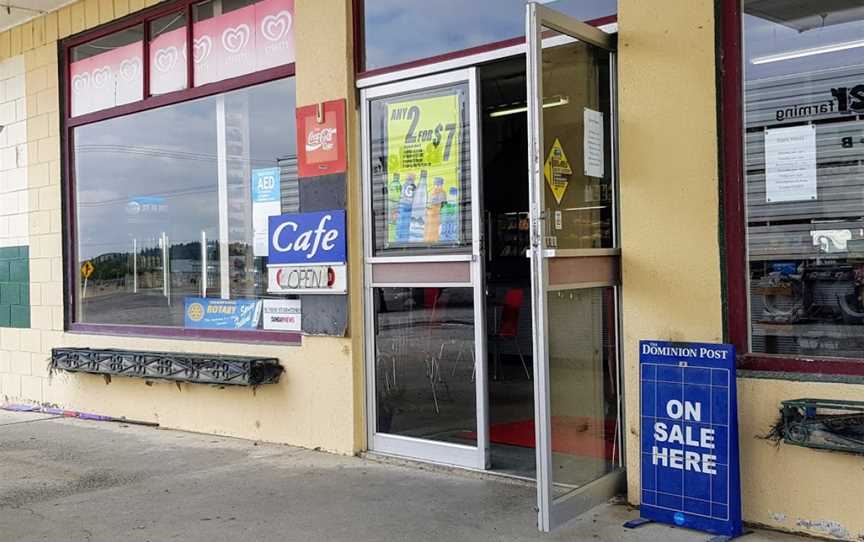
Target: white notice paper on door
x,y
593,143
790,164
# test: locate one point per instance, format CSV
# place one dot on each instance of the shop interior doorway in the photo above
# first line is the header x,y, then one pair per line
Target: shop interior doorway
x,y
504,152
426,378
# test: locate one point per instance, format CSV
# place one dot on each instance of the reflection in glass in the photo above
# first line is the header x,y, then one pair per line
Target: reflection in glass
x,y
424,363
421,182
578,200
399,31
804,96
583,384
148,203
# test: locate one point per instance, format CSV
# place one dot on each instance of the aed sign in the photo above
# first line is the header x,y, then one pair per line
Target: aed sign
x,y
689,436
307,238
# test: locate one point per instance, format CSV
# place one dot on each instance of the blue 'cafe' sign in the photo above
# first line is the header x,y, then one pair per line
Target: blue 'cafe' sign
x,y
307,238
689,443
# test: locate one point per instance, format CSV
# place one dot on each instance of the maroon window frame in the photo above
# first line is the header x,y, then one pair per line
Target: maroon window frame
x,y
143,17
358,11
734,211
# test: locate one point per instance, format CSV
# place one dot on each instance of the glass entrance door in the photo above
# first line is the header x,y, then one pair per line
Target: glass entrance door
x,y
574,264
425,337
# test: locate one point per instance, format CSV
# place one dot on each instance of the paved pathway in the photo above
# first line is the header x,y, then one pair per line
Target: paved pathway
x,y
73,480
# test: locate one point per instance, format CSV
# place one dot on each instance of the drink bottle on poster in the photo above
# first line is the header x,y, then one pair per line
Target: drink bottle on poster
x,y
418,211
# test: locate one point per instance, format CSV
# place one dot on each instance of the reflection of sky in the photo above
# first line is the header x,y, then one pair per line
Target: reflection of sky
x,y
167,158
762,37
400,31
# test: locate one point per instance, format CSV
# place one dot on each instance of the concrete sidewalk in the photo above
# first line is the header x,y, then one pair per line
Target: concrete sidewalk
x,y
70,480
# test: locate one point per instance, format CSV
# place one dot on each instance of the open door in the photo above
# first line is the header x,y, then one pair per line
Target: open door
x,y
574,264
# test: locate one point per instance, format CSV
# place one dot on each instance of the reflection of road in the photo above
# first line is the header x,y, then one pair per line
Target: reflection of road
x,y
144,308
416,321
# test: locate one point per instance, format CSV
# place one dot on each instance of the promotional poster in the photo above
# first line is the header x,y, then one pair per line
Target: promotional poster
x,y
207,313
424,189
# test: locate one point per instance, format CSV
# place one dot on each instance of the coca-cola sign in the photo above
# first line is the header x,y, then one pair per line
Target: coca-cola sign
x,y
322,129
321,139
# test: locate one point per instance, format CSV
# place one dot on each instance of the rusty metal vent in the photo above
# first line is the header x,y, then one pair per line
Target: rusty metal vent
x,y
198,368
823,423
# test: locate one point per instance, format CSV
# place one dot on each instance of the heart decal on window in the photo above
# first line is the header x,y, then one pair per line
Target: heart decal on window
x,y
201,49
234,39
80,82
101,76
275,27
165,59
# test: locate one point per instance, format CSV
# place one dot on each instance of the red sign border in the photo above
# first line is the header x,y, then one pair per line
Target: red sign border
x,y
339,164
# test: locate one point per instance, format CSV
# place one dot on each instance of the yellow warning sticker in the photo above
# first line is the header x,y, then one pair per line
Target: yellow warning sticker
x,y
557,171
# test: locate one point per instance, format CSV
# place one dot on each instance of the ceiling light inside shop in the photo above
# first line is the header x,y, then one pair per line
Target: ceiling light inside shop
x,y
554,101
800,53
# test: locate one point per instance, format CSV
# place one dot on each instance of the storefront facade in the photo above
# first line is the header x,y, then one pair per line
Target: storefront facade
x,y
517,217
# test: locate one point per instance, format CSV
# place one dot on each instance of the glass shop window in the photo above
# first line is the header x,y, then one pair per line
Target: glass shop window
x,y
168,70
231,38
107,72
408,30
236,37
168,210
804,160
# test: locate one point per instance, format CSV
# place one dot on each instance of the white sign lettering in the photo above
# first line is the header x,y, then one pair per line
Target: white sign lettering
x,y
305,243
684,435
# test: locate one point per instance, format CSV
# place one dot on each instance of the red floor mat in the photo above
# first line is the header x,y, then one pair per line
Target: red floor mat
x,y
570,435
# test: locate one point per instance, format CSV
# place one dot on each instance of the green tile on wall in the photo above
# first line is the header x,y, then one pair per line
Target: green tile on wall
x,y
19,271
10,293
9,253
15,286
20,316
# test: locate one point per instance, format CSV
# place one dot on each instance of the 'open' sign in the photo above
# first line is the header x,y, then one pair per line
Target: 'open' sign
x,y
304,238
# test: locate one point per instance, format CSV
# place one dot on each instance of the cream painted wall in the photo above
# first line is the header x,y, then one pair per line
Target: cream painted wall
x,y
669,191
318,402
790,487
671,265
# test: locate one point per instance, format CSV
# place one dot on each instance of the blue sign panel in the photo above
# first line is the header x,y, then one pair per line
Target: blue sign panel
x,y
206,313
306,238
689,443
265,185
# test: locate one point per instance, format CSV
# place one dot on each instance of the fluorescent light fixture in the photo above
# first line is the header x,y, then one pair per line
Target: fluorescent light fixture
x,y
590,208
801,53
554,101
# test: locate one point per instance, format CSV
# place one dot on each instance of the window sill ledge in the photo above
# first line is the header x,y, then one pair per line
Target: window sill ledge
x,y
215,335
808,368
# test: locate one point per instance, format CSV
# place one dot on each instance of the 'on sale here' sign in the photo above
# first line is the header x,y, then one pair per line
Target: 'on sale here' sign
x,y
689,436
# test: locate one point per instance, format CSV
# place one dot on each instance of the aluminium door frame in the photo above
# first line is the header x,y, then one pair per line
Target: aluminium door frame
x,y
551,511
476,457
